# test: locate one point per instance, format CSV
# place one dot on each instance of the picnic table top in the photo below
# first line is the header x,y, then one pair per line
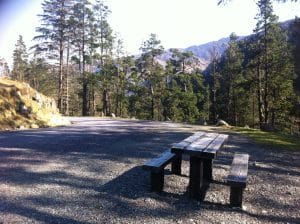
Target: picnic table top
x,y
201,144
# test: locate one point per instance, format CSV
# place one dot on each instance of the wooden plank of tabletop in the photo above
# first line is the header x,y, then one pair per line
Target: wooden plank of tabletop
x,y
201,143
187,141
216,144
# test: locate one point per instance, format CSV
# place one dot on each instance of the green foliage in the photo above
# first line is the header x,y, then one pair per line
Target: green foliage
x,y
256,76
252,83
20,63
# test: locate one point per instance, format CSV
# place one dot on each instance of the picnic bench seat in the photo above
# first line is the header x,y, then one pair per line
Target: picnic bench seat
x,y
237,178
156,166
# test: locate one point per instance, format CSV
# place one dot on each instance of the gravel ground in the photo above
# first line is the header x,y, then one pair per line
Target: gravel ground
x,y
91,172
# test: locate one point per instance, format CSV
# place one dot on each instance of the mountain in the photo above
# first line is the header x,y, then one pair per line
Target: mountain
x,y
203,51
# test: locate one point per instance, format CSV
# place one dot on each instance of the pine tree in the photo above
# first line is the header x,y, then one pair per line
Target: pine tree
x,y
54,35
4,69
230,78
20,63
79,21
104,43
273,67
40,77
214,84
152,72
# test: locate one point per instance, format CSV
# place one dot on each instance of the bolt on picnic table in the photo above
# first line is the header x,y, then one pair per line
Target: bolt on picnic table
x,y
202,147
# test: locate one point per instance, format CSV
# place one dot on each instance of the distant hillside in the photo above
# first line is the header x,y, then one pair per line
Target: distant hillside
x,y
202,51
23,107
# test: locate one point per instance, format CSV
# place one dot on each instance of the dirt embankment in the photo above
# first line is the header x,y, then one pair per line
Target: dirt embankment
x,y
23,107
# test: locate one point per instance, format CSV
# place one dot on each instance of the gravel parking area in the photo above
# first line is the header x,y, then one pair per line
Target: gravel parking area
x,y
90,172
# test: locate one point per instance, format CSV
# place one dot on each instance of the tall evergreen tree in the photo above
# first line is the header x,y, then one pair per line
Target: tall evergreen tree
x,y
273,64
20,63
231,77
104,43
54,34
152,71
80,19
214,84
4,69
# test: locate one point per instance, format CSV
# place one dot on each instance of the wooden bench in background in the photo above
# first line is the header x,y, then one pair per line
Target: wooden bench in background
x,y
156,166
237,178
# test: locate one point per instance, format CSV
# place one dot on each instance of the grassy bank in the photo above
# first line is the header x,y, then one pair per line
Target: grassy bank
x,y
22,107
271,139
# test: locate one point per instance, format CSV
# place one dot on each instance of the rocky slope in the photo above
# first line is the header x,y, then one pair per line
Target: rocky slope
x,y
23,107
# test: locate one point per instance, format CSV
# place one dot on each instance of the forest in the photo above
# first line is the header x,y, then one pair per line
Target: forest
x,y
80,61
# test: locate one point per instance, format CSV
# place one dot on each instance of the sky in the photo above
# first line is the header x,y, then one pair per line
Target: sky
x,y
177,23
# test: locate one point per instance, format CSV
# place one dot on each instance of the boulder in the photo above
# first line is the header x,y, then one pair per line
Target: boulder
x,y
38,98
222,123
34,126
21,108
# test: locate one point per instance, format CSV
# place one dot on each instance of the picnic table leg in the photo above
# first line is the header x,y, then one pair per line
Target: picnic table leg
x,y
176,164
157,181
196,178
236,196
207,169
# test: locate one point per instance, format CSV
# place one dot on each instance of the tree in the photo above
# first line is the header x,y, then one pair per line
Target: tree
x,y
80,19
105,41
54,35
4,69
214,83
40,77
231,76
180,60
20,63
152,71
226,1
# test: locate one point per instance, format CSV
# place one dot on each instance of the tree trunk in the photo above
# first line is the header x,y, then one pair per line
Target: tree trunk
x,y
67,112
152,102
60,79
259,97
85,91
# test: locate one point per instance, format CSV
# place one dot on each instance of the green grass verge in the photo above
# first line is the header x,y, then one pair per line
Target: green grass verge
x,y
271,139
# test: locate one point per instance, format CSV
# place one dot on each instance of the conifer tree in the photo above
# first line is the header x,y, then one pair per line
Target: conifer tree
x,y
4,68
230,78
273,64
104,43
20,63
80,19
54,34
152,71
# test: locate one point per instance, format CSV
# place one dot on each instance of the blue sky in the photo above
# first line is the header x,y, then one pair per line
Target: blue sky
x,y
178,23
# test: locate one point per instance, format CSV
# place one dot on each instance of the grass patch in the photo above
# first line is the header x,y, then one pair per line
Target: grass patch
x,y
271,139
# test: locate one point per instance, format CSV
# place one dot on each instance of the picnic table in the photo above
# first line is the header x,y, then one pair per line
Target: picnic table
x,y
202,147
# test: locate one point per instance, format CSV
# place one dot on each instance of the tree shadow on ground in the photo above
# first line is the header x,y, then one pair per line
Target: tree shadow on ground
x,y
129,195
121,194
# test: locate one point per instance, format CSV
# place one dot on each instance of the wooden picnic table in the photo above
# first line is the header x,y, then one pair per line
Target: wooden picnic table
x,y
202,147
